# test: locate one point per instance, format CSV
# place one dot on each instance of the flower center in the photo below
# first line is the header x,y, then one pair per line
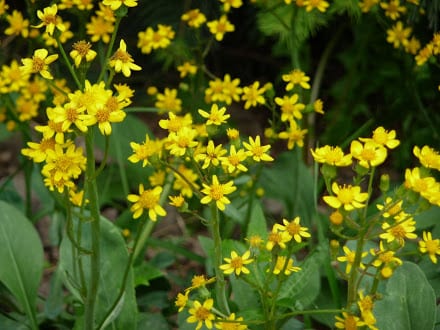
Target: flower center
x,y
202,313
148,200
345,195
237,262
122,56
216,192
37,64
82,47
432,246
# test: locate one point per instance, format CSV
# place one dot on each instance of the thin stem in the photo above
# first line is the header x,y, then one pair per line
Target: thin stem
x,y
67,62
89,307
220,283
110,47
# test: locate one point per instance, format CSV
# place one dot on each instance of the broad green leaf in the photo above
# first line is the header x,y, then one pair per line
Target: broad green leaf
x,y
245,296
10,324
154,321
290,181
302,288
21,257
144,273
409,301
428,218
114,258
257,223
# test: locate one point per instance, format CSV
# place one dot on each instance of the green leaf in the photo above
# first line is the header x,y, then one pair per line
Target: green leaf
x,y
302,288
114,258
409,301
144,273
428,218
21,257
257,223
152,321
290,181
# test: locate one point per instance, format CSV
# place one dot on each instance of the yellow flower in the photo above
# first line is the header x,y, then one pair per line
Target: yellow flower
x,y
347,196
216,192
277,238
233,133
384,257
393,9
428,157
399,231
187,68
253,95
415,181
318,106
336,218
148,200
50,20
122,61
331,155
115,4
38,151
174,123
293,135
383,138
213,155
366,5
39,63
82,51
185,186
349,259
369,153
151,39
290,109
236,264
430,246
281,265
177,201
234,161
294,229
321,5
144,151
216,116
199,281
17,25
181,300
157,178
348,322
194,18
100,28
398,35
178,142
168,100
201,313
256,150
228,4
230,325
219,27
296,77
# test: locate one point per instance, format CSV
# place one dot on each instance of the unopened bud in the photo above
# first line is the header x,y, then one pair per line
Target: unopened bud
x,y
384,184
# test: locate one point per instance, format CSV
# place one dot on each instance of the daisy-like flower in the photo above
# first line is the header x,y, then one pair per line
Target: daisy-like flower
x,y
213,155
366,5
219,27
398,35
199,281
201,313
430,246
347,196
216,192
236,264
290,109
277,238
100,28
229,323
216,116
384,138
331,155
318,106
147,200
82,51
280,265
390,208
177,201
50,20
194,18
181,300
348,322
187,68
399,231
38,151
415,181
428,157
64,163
294,229
393,9
366,305
296,77
178,142
253,95
384,257
17,24
321,5
256,150
174,123
228,4
115,4
234,161
349,259
145,150
168,100
294,135
185,187
369,154
122,61
39,63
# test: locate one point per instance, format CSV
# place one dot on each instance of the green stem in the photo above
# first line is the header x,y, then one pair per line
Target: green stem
x,y
247,220
220,283
67,62
89,307
110,48
352,280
